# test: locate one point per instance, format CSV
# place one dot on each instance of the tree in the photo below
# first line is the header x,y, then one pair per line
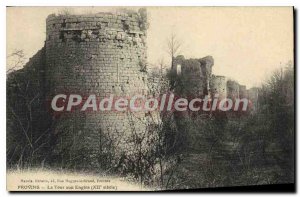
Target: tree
x,y
161,64
28,128
173,47
15,61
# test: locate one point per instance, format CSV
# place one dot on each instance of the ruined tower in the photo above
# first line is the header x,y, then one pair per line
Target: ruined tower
x,y
99,54
232,90
218,86
242,91
195,74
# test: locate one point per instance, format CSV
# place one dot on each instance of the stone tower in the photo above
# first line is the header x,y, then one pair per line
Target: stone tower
x,y
218,86
196,74
232,90
99,54
242,91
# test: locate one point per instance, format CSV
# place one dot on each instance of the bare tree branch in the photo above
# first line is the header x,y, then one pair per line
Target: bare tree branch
x,y
173,46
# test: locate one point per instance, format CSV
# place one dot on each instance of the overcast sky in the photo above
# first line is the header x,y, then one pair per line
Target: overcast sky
x,y
247,43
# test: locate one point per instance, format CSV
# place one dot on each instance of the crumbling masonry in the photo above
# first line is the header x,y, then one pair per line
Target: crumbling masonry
x,y
198,74
99,54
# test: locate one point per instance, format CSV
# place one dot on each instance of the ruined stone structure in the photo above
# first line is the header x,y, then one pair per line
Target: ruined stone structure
x,y
218,86
242,91
198,80
196,73
233,89
99,54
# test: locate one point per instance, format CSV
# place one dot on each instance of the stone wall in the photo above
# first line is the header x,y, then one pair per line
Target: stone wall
x,y
218,86
242,91
196,74
232,89
25,85
27,117
99,54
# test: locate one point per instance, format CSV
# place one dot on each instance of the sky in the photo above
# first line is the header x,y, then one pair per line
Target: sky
x,y
247,43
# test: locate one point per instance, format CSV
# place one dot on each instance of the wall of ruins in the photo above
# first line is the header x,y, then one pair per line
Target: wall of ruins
x,y
242,91
218,86
196,74
99,54
232,89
